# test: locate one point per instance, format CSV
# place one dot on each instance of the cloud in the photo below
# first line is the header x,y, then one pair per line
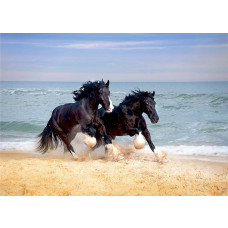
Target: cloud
x,y
111,45
21,42
210,46
128,45
120,45
138,48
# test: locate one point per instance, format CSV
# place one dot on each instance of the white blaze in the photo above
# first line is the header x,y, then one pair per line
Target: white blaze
x,y
111,107
139,141
90,141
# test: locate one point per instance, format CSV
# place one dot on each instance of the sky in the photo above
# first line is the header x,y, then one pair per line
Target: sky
x,y
117,57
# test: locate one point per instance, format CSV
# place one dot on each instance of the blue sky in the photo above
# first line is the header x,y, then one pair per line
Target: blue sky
x,y
118,57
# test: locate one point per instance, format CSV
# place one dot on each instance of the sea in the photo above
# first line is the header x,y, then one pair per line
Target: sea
x,y
193,116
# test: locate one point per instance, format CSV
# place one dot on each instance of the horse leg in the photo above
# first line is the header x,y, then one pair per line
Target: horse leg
x,y
101,132
133,131
89,135
146,134
100,142
63,137
107,141
65,148
102,136
68,145
70,137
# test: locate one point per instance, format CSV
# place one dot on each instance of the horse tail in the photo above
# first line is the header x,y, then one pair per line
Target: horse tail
x,y
48,138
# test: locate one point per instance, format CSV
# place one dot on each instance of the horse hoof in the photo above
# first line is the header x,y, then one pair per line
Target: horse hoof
x,y
160,156
75,156
113,152
109,148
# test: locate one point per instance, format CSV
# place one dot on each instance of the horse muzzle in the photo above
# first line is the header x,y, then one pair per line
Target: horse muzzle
x,y
154,120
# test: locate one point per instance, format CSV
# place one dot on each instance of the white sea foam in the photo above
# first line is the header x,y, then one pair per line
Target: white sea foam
x,y
181,150
19,146
191,150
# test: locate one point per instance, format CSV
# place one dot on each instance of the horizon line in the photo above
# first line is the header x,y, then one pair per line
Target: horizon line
x,y
122,81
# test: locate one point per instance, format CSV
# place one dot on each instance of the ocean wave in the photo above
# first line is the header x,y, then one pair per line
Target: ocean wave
x,y
21,126
215,98
212,130
22,91
175,107
189,96
219,100
212,99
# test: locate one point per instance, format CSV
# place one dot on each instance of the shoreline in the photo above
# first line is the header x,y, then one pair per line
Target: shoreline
x,y
138,174
98,153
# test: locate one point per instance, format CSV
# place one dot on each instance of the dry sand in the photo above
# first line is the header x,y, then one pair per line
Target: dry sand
x,y
137,175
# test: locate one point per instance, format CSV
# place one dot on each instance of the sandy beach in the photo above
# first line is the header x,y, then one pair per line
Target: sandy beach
x,y
33,174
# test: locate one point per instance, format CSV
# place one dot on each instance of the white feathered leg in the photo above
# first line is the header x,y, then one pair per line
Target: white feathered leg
x,y
89,141
139,141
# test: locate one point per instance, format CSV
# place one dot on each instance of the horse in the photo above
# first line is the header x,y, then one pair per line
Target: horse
x,y
82,116
127,119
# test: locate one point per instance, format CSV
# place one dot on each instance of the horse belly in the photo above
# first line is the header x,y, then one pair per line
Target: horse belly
x,y
116,131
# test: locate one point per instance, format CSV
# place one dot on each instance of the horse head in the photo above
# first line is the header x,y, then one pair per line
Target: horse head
x,y
98,91
104,96
148,105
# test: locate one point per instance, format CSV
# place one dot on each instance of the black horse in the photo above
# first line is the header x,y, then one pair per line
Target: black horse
x,y
127,119
82,116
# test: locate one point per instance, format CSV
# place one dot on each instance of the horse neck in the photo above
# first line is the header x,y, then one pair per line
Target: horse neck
x,y
92,102
135,107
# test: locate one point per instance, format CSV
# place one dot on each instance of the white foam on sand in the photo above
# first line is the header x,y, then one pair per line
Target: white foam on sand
x,y
191,150
26,146
19,146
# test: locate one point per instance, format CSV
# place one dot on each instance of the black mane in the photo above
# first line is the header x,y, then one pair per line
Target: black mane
x,y
86,88
135,95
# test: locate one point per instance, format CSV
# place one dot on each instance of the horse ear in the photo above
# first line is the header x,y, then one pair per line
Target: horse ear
x,y
107,84
146,94
153,93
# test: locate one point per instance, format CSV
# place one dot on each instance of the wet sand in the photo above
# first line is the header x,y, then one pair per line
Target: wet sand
x,y
26,174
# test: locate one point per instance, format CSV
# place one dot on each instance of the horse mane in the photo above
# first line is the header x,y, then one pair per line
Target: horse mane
x,y
135,95
86,88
